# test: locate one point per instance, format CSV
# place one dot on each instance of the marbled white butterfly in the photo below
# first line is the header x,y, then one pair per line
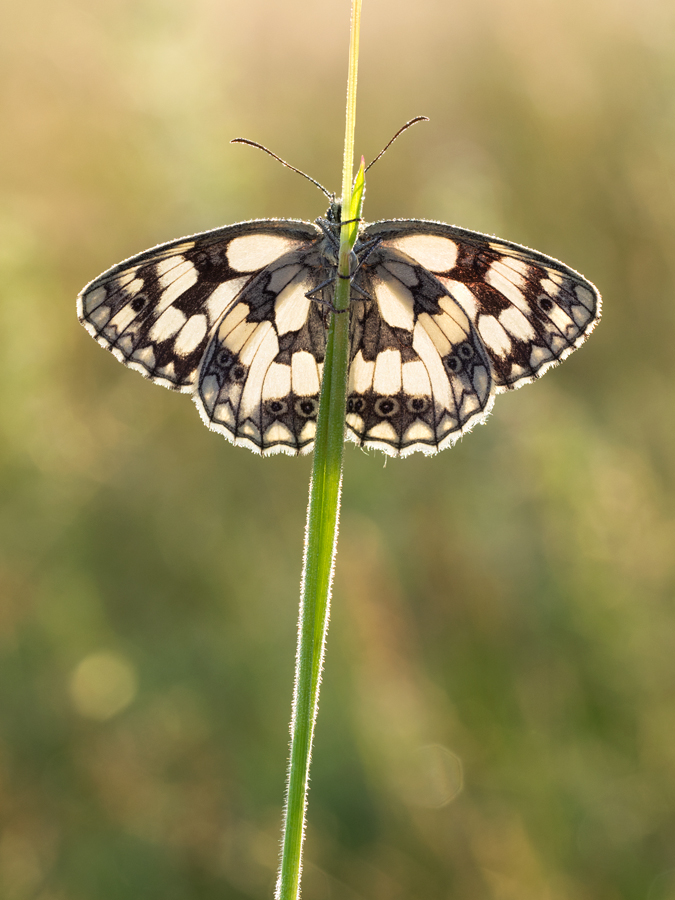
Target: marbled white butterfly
x,y
442,320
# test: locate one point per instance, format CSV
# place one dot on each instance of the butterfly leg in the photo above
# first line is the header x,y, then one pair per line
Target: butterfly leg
x,y
364,295
331,229
320,287
366,250
329,303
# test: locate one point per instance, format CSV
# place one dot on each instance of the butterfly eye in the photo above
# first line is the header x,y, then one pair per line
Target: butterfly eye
x,y
545,303
416,404
386,406
277,407
138,302
306,407
466,351
453,364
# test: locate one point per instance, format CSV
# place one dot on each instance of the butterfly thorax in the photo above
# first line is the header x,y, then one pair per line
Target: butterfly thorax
x,y
334,212
331,254
330,245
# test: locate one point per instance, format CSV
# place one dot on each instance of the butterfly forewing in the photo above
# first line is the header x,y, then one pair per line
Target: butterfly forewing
x,y
442,319
157,311
530,311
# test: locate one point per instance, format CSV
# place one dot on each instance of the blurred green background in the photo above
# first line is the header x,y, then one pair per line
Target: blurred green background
x,y
498,715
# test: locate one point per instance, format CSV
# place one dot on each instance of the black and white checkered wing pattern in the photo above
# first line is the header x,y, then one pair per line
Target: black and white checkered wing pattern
x,y
529,310
419,376
261,375
441,319
157,311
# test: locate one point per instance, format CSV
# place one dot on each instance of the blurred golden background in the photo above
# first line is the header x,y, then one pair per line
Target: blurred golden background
x,y
498,715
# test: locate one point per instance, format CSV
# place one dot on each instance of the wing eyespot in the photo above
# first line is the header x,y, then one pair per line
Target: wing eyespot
x,y
453,363
223,359
138,302
545,303
307,407
417,405
225,365
386,407
277,407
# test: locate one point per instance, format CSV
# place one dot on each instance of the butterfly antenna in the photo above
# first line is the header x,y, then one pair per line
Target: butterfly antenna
x,y
283,162
398,134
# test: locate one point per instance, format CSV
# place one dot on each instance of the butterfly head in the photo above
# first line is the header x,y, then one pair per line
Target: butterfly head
x,y
334,213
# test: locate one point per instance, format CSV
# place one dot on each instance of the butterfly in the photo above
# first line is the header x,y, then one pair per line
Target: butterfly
x,y
441,320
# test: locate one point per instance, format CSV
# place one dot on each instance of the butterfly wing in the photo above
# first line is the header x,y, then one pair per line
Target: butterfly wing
x,y
441,320
157,311
529,310
419,375
261,374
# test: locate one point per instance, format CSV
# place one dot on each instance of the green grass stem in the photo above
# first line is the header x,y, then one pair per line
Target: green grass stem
x,y
322,516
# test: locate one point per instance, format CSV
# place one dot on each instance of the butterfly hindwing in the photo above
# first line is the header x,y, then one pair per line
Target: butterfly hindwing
x,y
261,375
530,311
419,375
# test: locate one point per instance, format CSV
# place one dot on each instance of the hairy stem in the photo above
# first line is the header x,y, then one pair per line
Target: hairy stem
x,y
322,518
